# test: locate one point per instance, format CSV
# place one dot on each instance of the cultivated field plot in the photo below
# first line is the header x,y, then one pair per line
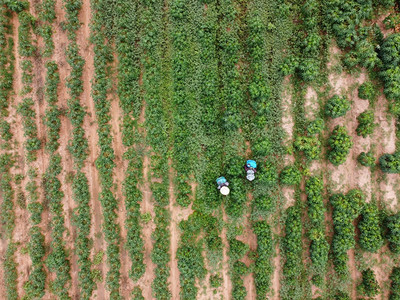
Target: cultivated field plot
x,y
118,116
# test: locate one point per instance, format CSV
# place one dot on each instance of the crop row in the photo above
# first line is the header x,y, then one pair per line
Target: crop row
x,y
345,209
319,247
78,149
57,261
131,104
181,99
105,162
157,139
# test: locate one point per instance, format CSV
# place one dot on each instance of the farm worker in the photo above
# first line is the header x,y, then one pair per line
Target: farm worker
x,y
223,185
250,168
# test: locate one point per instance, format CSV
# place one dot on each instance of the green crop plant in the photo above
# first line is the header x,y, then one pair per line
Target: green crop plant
x,y
345,210
395,286
390,163
337,106
393,233
366,159
339,143
367,91
290,175
366,123
319,247
369,286
371,239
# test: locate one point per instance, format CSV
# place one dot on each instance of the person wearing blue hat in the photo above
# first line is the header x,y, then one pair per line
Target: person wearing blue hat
x,y
250,168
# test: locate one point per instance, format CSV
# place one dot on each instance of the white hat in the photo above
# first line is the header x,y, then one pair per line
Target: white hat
x,y
224,190
250,175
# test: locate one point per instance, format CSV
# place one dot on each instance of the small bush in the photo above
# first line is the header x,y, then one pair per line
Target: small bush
x,y
365,123
309,145
390,163
337,106
290,175
316,126
340,144
366,159
367,91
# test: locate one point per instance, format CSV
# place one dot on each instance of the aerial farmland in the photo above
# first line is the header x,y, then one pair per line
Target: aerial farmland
x,y
199,149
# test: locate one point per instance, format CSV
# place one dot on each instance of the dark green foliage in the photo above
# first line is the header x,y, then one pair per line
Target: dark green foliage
x,y
392,21
371,239
26,21
263,267
319,246
345,210
337,106
342,296
5,132
366,159
16,6
215,281
367,91
369,286
292,250
395,286
339,144
390,163
366,123
393,234
389,54
137,294
290,175
344,17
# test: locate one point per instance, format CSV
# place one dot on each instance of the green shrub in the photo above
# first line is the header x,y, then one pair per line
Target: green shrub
x,y
390,56
337,106
215,281
390,163
369,286
339,143
391,21
365,123
290,175
367,91
366,159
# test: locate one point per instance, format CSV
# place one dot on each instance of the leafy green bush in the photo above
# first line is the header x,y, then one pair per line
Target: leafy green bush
x,y
369,286
290,175
337,106
366,123
389,54
390,163
366,159
367,91
371,239
339,143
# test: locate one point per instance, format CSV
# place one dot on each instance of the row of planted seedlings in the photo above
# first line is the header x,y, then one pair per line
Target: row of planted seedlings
x,y
230,42
34,287
130,101
154,92
57,260
78,148
189,252
7,216
101,35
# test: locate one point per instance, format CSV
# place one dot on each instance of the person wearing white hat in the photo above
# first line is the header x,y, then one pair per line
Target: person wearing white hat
x,y
223,185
